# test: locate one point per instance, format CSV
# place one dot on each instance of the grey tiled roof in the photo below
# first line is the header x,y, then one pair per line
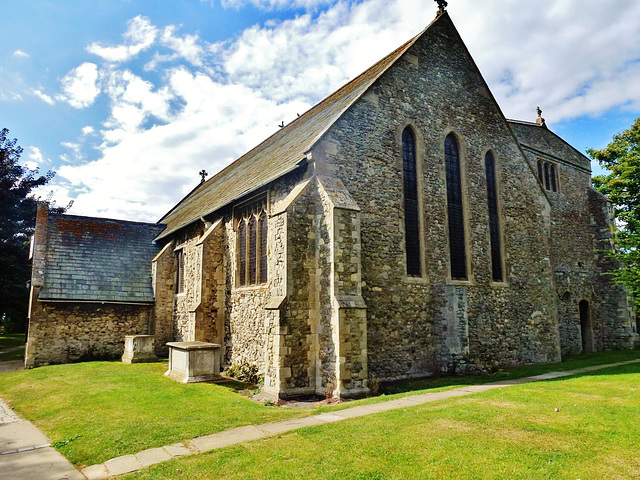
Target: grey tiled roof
x,y
98,259
281,152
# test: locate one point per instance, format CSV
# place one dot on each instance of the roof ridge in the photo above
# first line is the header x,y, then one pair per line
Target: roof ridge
x,y
291,150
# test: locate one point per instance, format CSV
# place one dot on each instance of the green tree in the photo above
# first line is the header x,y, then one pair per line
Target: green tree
x,y
17,222
622,185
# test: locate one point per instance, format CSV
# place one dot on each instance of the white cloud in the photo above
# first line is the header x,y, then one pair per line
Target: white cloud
x,y
275,4
36,159
79,86
139,36
572,58
88,130
21,54
44,97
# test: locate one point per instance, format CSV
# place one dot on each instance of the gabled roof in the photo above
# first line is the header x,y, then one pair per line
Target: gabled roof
x,y
98,260
541,139
280,153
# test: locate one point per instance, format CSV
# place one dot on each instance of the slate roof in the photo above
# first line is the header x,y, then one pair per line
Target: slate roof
x,y
280,153
99,260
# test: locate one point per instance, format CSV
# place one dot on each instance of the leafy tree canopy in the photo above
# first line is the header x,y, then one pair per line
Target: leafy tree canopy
x,y
17,222
622,185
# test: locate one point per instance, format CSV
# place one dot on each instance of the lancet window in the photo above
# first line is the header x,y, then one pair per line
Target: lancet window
x,y
411,218
455,210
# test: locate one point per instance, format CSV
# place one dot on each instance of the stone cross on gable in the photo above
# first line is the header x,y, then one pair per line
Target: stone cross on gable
x,y
203,173
442,4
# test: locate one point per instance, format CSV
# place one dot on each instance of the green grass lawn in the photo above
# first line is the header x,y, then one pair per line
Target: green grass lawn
x,y
98,410
513,433
10,340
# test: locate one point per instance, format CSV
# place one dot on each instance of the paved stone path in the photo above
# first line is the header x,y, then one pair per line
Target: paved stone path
x,y
35,459
26,453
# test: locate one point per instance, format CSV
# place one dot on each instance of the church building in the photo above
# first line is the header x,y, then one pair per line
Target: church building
x,y
400,228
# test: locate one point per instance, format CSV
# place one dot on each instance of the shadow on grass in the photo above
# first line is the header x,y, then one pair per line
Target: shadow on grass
x,y
570,362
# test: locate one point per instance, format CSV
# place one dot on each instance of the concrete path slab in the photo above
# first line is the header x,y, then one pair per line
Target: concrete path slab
x,y
177,450
153,456
292,424
550,375
228,437
96,472
19,435
42,464
123,464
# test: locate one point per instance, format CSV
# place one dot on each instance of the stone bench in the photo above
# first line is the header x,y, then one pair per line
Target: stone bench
x,y
191,362
139,349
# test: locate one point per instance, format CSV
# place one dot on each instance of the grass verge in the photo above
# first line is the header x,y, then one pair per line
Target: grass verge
x,y
99,410
583,427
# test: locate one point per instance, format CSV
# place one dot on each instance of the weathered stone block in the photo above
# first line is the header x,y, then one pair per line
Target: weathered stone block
x,y
139,349
191,362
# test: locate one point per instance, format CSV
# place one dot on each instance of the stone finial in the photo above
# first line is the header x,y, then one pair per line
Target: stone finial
x,y
203,173
540,121
442,5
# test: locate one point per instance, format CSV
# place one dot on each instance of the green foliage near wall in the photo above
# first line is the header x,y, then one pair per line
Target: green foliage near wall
x,y
622,185
17,222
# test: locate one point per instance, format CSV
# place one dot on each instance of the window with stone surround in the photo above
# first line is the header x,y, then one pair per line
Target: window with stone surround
x,y
494,220
251,248
411,219
455,210
548,175
180,271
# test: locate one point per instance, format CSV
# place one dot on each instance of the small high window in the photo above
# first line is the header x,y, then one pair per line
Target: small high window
x,y
455,210
411,218
251,255
548,175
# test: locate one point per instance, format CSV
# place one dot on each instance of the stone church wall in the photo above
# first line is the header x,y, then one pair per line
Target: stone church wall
x,y
418,326
581,232
70,332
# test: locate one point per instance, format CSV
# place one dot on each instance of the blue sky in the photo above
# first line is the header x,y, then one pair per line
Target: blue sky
x,y
128,100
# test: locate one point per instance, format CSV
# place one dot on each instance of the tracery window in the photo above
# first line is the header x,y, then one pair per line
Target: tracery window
x,y
548,175
494,220
455,210
411,219
251,252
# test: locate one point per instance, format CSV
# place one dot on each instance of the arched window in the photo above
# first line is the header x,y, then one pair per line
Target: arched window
x,y
411,219
455,210
546,176
540,177
494,220
552,172
251,257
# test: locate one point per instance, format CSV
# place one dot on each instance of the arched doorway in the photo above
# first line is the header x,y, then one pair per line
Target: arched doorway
x,y
585,327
